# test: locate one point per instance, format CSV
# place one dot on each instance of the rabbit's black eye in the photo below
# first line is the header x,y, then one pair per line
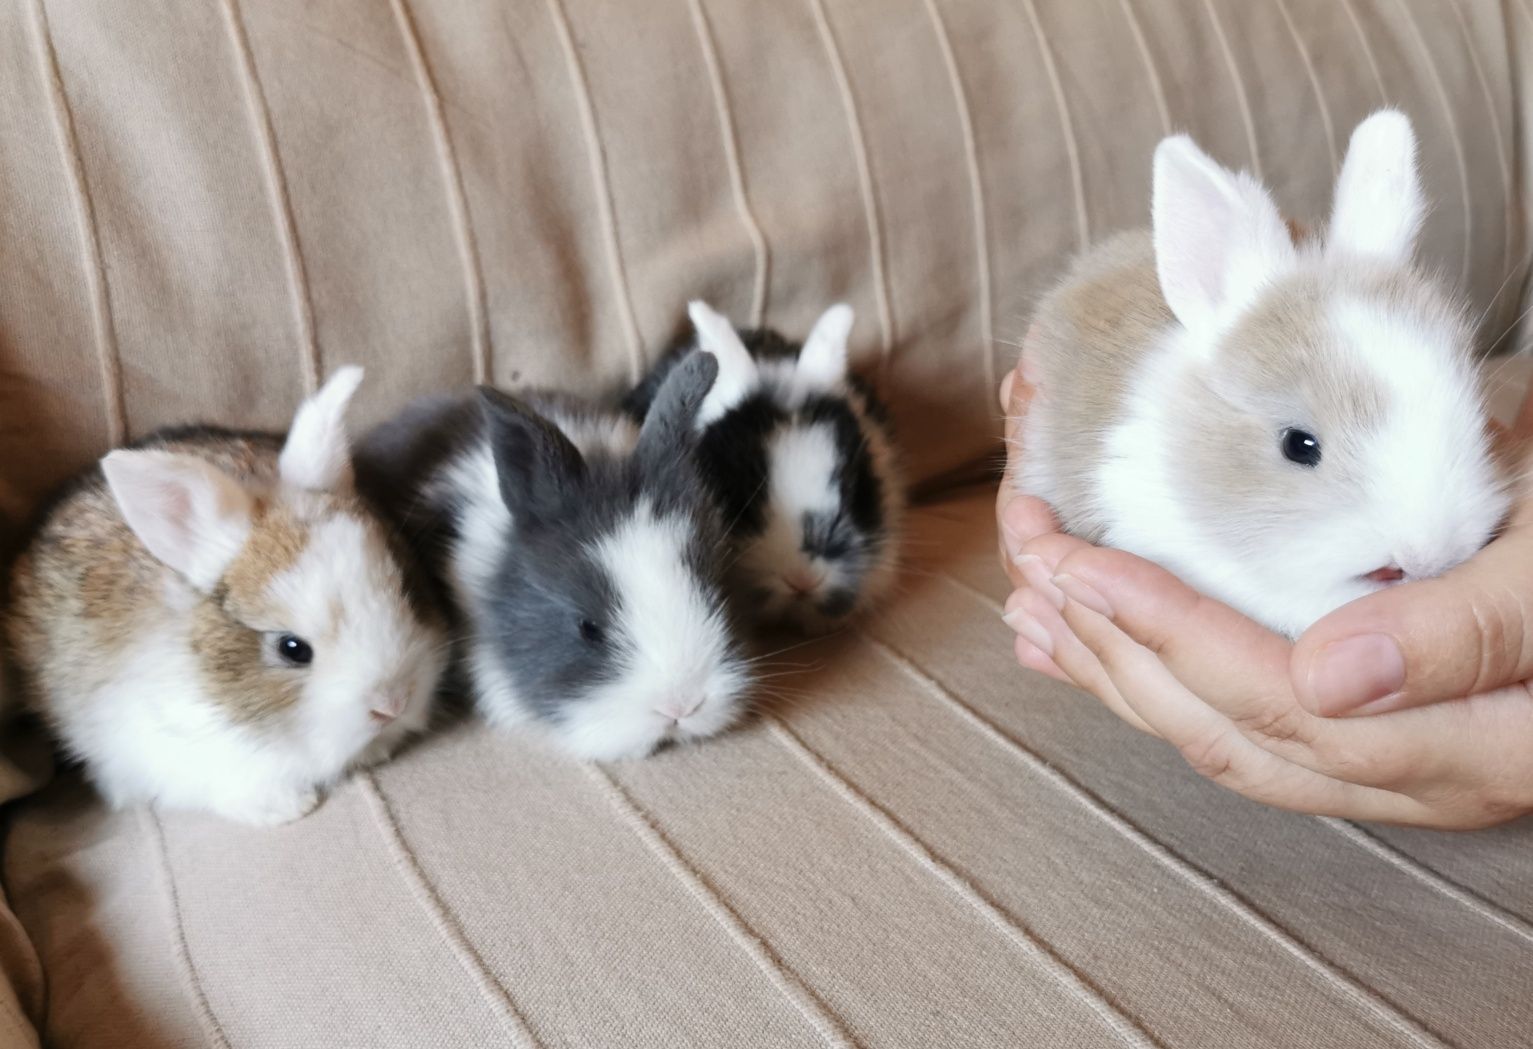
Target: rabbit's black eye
x,y
294,650
1300,447
591,633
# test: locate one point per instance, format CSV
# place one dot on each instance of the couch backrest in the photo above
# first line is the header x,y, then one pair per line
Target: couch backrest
x,y
205,205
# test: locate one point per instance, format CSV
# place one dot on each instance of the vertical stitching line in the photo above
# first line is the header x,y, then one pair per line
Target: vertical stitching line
x,y
109,360
1359,994
1033,946
494,994
1495,127
1362,38
1072,146
977,195
281,203
864,179
210,1025
1409,865
731,138
1458,138
1157,88
480,346
1240,89
809,1005
606,206
1314,83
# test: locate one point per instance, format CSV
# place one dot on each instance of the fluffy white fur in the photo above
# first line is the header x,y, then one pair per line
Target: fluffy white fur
x,y
1430,493
679,679
153,733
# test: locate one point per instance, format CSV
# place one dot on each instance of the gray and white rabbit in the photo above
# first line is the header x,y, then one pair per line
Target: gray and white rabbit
x,y
582,556
797,452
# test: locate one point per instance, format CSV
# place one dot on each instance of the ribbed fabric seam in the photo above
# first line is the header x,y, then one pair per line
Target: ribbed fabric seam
x,y
481,348
865,182
1314,83
1240,89
601,180
1495,127
494,994
1372,1003
1368,55
977,197
1034,947
281,202
814,1011
1157,86
731,139
92,262
1414,868
189,975
1067,128
1453,129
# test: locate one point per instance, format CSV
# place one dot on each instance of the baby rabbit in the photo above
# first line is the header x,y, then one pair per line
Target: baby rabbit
x,y
797,454
1285,427
212,620
582,556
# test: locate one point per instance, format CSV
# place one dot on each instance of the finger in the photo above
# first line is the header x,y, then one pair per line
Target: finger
x,y
1038,622
1219,654
1031,657
1212,744
1465,632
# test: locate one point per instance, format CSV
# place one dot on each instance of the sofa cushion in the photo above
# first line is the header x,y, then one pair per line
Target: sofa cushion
x,y
917,844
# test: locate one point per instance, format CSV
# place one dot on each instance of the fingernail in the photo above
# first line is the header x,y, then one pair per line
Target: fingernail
x,y
1029,628
1040,578
1079,591
1357,670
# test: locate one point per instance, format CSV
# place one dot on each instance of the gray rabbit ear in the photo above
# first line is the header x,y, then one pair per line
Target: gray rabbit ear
x,y
535,462
667,436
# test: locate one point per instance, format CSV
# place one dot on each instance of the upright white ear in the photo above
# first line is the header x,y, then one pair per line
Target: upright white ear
x,y
317,455
822,361
737,368
1379,205
1218,235
188,513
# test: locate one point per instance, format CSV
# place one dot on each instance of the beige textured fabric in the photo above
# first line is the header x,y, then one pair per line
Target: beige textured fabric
x,y
915,848
207,204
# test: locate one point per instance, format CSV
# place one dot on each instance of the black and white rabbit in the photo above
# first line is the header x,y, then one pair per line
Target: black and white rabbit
x,y
797,452
582,556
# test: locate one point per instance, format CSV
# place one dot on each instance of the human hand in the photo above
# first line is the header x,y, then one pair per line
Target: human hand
x,y
1217,685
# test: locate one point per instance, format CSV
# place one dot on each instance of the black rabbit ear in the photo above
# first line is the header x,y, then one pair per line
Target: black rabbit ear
x,y
535,463
667,436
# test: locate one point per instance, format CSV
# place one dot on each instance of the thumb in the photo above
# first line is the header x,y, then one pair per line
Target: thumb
x,y
1463,633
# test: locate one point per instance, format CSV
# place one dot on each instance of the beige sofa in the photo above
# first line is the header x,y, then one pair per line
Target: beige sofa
x,y
207,204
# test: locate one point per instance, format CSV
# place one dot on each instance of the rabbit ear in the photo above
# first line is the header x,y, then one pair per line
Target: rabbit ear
x,y
1218,235
1379,204
667,436
535,462
188,513
317,455
737,368
822,361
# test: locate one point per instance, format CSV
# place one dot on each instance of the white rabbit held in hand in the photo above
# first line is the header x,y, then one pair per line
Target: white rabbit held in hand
x,y
1286,427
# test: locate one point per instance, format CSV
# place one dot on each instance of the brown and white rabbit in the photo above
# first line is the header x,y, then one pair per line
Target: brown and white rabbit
x,y
213,620
1286,427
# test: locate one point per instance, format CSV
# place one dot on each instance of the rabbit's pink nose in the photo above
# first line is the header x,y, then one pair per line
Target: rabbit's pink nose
x,y
1386,575
385,707
679,709
802,580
